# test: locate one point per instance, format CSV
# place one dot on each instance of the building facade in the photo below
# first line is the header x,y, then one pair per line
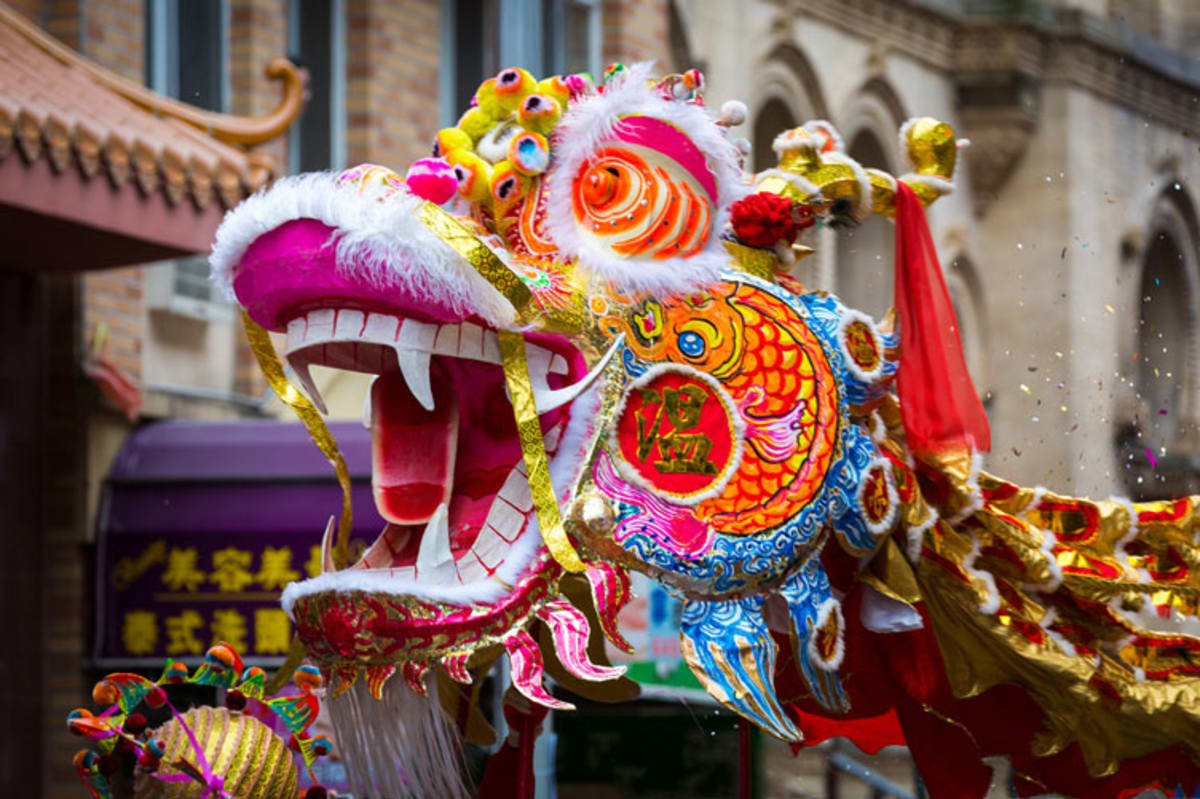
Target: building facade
x,y
1069,246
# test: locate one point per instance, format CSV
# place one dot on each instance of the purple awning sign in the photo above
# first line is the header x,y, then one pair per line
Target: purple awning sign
x,y
201,527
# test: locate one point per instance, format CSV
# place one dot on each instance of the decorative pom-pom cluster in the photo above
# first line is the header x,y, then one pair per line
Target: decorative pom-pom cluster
x,y
122,738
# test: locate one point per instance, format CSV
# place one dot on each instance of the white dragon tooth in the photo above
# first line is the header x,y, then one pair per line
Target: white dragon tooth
x,y
300,367
366,409
446,342
558,365
470,342
491,346
414,364
416,335
327,548
435,562
539,359
548,399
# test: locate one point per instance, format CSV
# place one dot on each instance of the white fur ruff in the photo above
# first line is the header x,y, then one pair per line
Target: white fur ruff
x,y
379,237
594,121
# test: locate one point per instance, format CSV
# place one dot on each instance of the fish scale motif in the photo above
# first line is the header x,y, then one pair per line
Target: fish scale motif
x,y
780,359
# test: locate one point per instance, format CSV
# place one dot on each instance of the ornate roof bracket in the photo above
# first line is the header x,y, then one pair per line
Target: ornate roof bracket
x,y
998,81
224,127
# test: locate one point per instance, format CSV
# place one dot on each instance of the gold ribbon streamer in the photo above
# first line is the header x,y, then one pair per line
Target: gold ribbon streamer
x,y
480,256
533,450
272,369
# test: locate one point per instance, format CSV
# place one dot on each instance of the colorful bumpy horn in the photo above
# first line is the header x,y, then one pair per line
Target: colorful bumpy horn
x,y
210,753
593,360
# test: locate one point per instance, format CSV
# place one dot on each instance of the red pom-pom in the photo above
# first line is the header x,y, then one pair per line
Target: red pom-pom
x,y
316,792
156,698
803,214
235,701
124,746
293,744
148,760
134,723
763,219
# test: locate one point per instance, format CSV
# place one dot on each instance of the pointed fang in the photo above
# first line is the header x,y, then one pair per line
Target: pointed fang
x,y
327,549
415,366
547,399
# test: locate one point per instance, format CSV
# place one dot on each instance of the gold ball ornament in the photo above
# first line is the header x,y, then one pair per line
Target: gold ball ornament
x,y
254,761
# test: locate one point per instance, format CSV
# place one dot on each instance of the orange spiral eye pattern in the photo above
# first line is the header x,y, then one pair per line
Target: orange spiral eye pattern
x,y
636,208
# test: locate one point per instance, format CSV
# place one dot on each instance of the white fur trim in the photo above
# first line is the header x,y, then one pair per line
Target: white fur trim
x,y
829,606
940,185
1049,539
884,176
564,471
783,143
974,494
1049,618
798,182
1130,535
1147,618
902,137
865,203
632,475
878,429
850,316
1039,493
992,603
915,536
592,122
379,237
824,126
889,484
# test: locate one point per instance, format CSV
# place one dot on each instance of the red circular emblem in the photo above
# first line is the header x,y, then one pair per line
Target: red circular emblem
x,y
861,344
677,434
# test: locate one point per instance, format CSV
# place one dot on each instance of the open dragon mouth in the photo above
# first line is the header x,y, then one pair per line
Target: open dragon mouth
x,y
447,473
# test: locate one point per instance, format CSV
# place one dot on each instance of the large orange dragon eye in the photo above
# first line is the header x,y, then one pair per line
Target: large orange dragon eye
x,y
636,207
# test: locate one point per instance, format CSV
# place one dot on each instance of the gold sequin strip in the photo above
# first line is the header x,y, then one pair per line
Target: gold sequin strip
x,y
480,256
272,369
533,450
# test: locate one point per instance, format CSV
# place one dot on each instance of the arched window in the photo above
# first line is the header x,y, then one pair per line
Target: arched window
x,y
774,118
1157,436
865,254
1164,333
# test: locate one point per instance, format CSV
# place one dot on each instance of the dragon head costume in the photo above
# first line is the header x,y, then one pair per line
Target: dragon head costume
x,y
590,359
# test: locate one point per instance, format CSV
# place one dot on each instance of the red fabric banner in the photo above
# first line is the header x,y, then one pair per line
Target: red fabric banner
x,y
938,403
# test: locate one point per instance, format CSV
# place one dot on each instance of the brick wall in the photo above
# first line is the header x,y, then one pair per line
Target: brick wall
x,y
64,568
637,30
391,80
114,35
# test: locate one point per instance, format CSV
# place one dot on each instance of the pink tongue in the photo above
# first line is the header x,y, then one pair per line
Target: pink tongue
x,y
412,449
